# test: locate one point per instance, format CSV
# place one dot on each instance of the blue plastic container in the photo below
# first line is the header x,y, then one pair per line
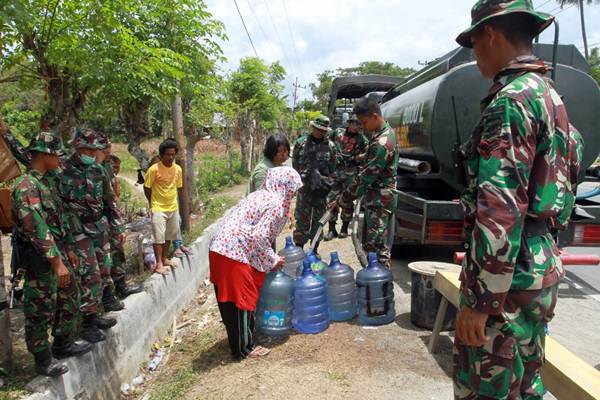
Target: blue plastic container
x,y
274,309
311,313
294,257
375,294
341,289
316,265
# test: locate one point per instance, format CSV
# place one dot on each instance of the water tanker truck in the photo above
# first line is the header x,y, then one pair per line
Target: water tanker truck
x,y
435,110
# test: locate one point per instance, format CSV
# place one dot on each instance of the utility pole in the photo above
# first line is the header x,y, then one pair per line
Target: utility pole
x,y
583,33
184,203
295,99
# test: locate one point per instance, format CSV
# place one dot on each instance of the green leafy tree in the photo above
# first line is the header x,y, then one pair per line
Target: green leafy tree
x,y
256,92
595,63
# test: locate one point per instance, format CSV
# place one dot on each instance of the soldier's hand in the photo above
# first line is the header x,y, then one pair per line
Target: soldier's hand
x,y
73,259
61,271
361,157
122,239
333,206
470,327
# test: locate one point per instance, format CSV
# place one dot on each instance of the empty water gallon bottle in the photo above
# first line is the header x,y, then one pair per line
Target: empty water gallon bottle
x,y
311,314
375,294
341,289
274,310
294,256
316,265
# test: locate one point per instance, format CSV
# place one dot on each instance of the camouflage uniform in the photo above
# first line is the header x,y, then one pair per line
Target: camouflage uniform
x,y
377,182
117,252
519,187
88,195
348,147
39,236
315,162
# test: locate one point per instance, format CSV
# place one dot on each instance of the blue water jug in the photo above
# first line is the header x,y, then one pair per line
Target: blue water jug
x,y
316,265
375,294
311,314
274,309
294,256
341,289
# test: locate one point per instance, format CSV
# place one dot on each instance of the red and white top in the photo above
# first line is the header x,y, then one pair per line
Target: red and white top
x,y
245,234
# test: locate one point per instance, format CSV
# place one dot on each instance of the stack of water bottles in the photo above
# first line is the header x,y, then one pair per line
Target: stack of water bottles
x,y
322,293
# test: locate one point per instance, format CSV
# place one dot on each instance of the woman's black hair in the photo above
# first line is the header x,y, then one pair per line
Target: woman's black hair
x,y
272,145
168,144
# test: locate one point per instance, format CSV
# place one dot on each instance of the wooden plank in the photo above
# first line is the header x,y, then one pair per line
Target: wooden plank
x,y
437,325
567,376
564,374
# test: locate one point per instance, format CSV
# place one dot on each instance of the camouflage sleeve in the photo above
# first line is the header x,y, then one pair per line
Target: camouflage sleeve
x,y
377,158
111,207
575,152
506,152
297,163
30,220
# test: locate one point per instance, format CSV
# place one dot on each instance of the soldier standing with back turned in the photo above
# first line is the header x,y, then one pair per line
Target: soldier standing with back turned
x,y
314,159
517,193
43,247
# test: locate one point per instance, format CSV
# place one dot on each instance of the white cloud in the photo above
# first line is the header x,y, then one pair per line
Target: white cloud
x,y
327,34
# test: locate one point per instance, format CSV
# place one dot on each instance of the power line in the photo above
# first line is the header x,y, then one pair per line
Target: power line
x,y
291,31
245,28
265,36
278,37
543,4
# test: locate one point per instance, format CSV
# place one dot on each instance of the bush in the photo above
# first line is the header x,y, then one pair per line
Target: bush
x,y
214,173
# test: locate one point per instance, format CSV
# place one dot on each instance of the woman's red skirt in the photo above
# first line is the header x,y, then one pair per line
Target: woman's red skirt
x,y
236,282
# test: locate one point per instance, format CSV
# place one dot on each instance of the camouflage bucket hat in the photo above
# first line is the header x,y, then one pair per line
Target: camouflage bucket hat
x,y
321,122
484,10
87,139
47,143
103,140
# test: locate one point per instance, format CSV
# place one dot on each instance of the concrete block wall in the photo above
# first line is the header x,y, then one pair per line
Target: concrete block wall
x,y
146,319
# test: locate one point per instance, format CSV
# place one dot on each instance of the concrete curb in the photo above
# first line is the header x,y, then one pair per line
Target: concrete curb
x,y
145,319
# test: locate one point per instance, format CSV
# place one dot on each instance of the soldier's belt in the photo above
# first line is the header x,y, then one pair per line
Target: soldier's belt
x,y
88,219
535,227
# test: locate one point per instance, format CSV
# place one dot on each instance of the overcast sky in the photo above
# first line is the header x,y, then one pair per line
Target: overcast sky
x,y
309,36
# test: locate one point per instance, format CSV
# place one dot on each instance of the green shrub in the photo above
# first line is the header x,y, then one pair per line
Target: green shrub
x,y
214,173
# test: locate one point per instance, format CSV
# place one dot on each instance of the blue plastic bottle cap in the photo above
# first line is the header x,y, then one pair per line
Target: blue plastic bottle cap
x,y
289,242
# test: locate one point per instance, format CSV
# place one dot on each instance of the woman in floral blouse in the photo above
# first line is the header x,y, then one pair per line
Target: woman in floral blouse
x,y
241,254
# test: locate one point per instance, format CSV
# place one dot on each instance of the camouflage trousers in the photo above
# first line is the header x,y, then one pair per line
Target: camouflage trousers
x,y
46,306
309,211
117,256
94,270
376,230
508,366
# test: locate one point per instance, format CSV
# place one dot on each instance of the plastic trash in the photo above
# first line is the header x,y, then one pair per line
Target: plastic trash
x,y
155,362
149,258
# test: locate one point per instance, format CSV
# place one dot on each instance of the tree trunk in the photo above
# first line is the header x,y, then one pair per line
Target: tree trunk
x,y
583,33
184,203
165,125
133,116
244,133
5,340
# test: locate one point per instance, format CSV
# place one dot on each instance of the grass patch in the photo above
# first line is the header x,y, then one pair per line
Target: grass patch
x,y
177,386
129,165
214,174
130,198
21,373
215,208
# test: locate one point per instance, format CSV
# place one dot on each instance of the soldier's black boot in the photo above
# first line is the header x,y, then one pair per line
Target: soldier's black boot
x,y
110,302
46,365
64,347
332,232
124,290
89,330
104,322
344,230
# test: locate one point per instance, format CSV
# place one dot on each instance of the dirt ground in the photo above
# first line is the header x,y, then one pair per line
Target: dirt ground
x,y
347,361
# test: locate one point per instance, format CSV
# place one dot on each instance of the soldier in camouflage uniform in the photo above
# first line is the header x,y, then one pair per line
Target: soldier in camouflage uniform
x,y
44,248
351,146
314,159
376,179
519,189
116,278
88,196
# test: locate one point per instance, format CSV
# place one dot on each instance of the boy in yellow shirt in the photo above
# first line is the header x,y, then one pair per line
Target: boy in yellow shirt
x,y
162,183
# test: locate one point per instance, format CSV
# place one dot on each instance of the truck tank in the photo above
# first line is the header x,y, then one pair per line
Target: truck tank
x,y
421,112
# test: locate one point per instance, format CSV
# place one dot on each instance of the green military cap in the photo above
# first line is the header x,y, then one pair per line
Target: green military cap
x,y
87,139
48,143
484,10
321,122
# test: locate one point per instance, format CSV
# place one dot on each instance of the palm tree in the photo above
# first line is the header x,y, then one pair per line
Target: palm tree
x,y
579,3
